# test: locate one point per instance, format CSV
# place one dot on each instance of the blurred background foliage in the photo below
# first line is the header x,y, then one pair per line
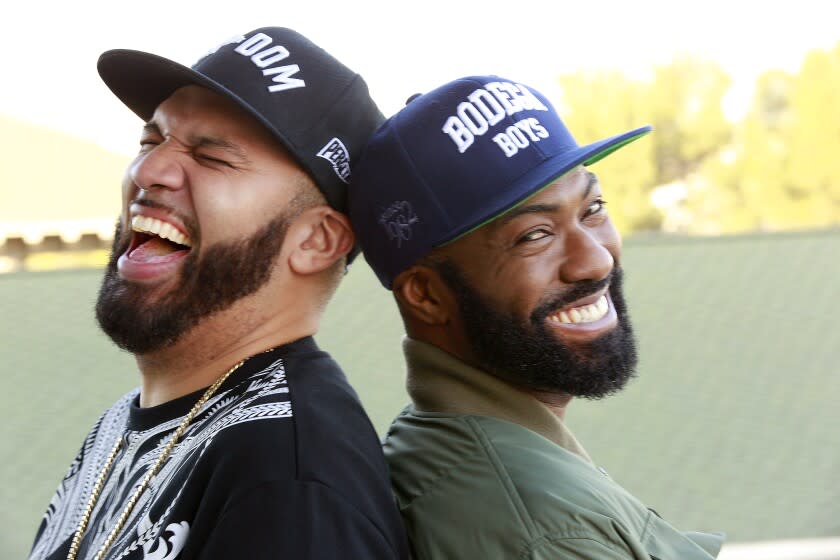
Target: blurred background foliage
x,y
774,168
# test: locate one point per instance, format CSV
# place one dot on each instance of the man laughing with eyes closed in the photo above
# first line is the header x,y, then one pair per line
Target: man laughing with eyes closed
x,y
244,440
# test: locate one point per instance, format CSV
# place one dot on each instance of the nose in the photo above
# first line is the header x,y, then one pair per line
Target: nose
x,y
589,255
157,168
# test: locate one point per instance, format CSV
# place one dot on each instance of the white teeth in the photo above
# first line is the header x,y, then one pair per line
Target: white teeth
x,y
603,306
145,224
583,314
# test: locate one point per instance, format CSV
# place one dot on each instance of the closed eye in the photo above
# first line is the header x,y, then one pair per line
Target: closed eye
x,y
212,159
149,137
147,144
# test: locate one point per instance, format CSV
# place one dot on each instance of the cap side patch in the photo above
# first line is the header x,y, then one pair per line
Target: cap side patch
x,y
336,153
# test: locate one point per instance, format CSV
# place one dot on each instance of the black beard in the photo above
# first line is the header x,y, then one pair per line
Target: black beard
x,y
225,273
528,355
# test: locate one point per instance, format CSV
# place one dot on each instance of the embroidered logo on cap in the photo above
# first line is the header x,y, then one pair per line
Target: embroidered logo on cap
x,y
236,39
336,153
259,49
398,220
485,107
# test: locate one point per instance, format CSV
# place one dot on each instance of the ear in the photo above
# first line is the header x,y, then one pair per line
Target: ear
x,y
320,237
423,296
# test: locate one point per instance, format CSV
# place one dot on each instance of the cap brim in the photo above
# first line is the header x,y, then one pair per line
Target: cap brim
x,y
143,81
547,173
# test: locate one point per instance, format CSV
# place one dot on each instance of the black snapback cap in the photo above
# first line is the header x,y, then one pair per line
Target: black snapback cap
x,y
320,110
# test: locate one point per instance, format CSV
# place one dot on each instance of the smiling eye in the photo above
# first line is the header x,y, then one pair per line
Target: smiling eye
x,y
596,207
534,235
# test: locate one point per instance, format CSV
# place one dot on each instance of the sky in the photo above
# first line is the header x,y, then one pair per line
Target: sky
x,y
49,48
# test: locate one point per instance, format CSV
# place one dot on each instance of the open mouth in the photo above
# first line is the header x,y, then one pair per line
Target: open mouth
x,y
588,313
154,239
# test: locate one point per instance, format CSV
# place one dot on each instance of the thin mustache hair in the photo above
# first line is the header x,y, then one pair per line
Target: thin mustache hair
x,y
576,292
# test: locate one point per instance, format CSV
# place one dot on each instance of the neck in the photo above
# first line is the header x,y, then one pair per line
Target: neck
x,y
441,382
210,348
454,342
555,402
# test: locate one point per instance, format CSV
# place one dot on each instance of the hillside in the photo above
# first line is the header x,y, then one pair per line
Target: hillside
x,y
47,177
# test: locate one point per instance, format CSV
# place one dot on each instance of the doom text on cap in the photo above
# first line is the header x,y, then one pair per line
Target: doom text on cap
x,y
258,48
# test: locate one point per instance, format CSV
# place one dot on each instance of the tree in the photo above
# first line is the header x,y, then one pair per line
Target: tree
x,y
601,104
682,101
744,189
813,178
686,102
785,173
778,168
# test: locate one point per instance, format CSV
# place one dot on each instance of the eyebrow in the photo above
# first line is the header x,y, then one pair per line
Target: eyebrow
x,y
592,180
151,128
512,214
204,142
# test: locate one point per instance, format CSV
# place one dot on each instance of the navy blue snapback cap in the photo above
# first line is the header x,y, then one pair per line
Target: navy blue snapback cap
x,y
318,109
454,159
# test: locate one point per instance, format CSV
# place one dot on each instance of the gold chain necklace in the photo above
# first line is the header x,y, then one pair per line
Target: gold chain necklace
x,y
109,461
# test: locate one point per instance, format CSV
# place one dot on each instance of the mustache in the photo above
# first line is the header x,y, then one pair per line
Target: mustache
x,y
575,292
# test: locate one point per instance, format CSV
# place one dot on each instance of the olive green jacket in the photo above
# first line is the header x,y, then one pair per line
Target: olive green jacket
x,y
484,471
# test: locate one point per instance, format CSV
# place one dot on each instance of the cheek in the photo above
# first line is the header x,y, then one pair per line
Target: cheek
x,y
226,209
129,188
129,193
518,292
611,239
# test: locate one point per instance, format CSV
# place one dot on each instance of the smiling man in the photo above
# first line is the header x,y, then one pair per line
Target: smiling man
x,y
244,439
476,207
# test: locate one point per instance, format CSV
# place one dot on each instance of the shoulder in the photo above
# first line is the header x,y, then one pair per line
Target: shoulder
x,y
427,450
324,438
433,448
120,409
110,424
298,408
323,451
318,521
314,377
517,489
328,415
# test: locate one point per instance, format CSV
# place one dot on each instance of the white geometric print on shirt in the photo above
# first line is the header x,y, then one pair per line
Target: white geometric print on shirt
x,y
226,409
164,548
199,436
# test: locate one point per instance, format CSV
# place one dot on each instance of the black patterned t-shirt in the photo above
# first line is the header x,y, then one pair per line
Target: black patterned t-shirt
x,y
282,462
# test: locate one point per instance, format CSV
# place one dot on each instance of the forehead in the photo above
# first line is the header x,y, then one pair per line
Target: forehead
x,y
566,192
197,110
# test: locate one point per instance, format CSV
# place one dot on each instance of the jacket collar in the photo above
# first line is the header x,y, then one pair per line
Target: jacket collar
x,y
439,382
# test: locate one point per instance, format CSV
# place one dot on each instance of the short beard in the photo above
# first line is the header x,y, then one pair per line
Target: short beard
x,y
528,355
225,273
